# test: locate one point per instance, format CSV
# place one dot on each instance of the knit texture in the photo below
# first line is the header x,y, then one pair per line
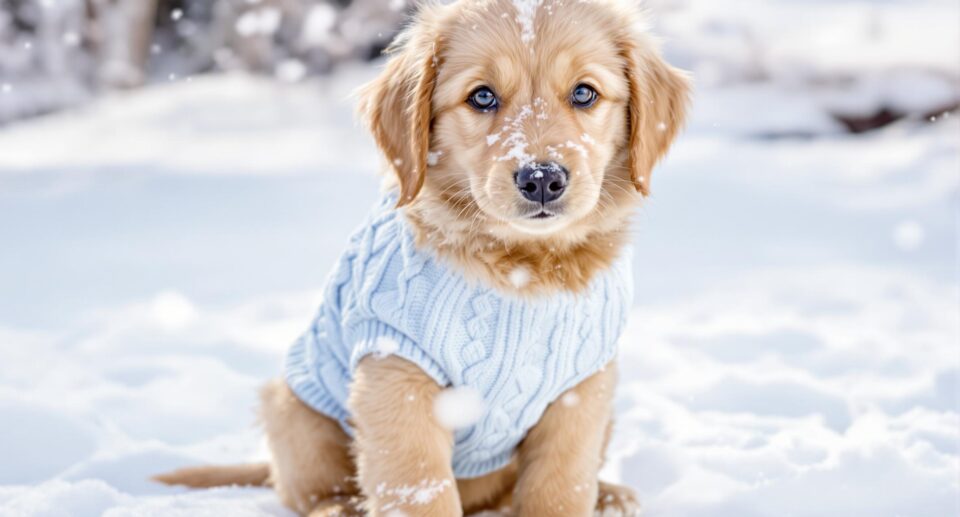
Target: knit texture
x,y
519,353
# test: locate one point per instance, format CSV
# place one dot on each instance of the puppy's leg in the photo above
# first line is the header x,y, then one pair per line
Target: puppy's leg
x,y
341,506
561,456
310,453
403,454
490,492
615,500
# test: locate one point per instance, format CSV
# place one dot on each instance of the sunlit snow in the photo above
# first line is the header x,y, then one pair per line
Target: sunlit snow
x,y
792,351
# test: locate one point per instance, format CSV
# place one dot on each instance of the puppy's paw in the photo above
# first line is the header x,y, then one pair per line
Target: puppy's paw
x,y
340,506
616,501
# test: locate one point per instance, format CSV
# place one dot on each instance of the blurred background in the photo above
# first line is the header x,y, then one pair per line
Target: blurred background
x,y
177,178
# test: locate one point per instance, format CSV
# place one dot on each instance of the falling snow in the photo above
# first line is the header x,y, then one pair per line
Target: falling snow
x,y
385,346
258,22
459,407
520,276
570,399
71,39
320,20
291,70
908,235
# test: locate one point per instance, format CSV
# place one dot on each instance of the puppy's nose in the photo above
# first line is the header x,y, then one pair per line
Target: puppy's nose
x,y
542,182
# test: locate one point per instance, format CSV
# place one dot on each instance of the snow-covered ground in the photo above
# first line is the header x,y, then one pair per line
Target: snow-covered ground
x,y
795,348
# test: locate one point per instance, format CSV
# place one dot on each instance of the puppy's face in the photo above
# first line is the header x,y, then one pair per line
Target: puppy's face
x,y
530,122
530,128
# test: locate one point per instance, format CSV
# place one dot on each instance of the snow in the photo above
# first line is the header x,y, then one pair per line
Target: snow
x,y
385,346
94,497
321,18
71,39
515,142
459,407
526,13
291,70
258,22
172,311
419,494
908,235
793,349
570,144
199,127
570,399
794,39
520,276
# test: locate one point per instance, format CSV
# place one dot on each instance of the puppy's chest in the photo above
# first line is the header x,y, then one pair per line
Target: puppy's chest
x,y
519,353
488,339
510,349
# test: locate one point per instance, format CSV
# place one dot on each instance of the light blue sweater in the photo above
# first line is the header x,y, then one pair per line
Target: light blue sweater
x,y
519,354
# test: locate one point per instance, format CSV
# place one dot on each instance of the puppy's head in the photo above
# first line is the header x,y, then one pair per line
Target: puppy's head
x,y
528,118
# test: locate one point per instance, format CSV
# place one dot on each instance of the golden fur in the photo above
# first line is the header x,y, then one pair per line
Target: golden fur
x,y
454,166
465,205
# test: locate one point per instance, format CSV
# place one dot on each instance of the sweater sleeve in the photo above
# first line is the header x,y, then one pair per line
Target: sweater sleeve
x,y
380,340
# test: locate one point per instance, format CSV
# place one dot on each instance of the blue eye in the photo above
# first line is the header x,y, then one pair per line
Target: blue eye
x,y
483,99
583,96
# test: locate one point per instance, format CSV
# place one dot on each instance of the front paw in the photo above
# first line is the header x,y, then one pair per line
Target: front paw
x,y
339,506
427,498
616,501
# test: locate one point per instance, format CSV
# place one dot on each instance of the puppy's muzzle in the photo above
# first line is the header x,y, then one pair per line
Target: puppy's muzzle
x,y
542,182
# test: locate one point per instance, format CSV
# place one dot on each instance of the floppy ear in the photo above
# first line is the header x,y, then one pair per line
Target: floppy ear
x,y
659,95
397,106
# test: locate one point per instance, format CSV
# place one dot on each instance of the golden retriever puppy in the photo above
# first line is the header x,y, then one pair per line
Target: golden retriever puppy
x,y
464,356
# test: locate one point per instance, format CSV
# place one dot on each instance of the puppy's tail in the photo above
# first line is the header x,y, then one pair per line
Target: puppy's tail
x,y
253,474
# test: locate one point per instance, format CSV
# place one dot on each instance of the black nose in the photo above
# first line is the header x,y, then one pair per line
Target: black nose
x,y
542,182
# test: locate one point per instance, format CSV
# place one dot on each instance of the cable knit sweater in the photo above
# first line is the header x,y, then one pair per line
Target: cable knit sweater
x,y
519,353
